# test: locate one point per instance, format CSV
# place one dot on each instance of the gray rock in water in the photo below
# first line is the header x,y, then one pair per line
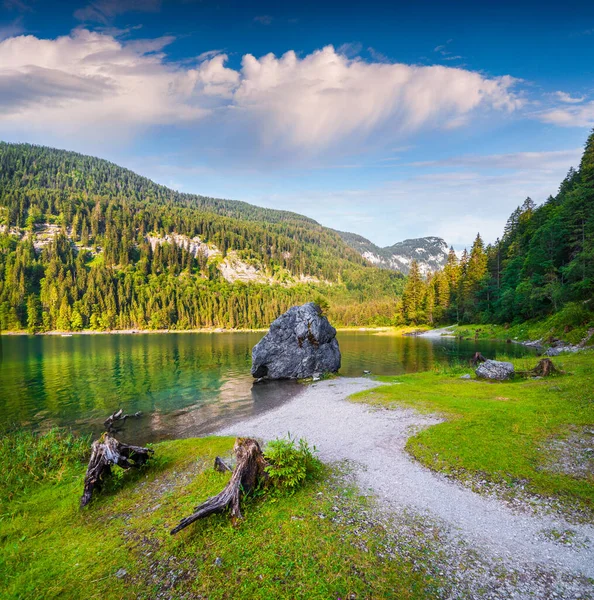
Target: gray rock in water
x,y
300,343
495,369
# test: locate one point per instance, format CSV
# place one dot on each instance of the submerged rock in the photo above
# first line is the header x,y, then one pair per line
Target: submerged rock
x,y
300,343
495,369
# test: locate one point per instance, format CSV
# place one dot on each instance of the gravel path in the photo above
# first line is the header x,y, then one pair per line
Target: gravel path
x,y
374,439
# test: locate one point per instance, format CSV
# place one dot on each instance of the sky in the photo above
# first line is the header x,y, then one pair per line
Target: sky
x,y
390,120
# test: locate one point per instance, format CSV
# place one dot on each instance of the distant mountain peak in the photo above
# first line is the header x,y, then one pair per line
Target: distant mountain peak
x,y
431,252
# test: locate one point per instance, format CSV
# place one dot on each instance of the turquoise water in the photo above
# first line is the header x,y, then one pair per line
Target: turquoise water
x,y
185,384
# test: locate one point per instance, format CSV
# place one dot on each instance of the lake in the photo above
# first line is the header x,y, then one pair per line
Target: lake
x,y
185,384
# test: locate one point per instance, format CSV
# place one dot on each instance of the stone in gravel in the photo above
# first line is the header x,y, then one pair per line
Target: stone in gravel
x,y
300,343
496,370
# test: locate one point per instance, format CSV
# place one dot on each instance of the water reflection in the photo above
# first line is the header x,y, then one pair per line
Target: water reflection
x,y
184,384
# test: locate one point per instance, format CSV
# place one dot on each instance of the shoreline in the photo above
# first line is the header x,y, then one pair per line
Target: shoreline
x,y
390,330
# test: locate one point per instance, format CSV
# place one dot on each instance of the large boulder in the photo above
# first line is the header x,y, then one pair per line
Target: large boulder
x,y
300,343
495,369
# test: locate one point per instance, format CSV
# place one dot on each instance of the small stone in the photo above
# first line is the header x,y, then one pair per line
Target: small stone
x,y
121,573
218,561
465,376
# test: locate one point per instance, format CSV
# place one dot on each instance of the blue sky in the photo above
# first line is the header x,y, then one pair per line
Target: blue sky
x,y
397,121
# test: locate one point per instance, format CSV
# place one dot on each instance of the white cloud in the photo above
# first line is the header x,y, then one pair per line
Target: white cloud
x,y
93,84
570,116
568,98
325,97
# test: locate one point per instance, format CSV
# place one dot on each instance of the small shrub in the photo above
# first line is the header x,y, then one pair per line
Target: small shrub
x,y
290,463
322,304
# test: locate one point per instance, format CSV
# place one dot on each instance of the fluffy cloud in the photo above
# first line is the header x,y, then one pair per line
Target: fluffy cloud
x,y
90,84
570,116
93,84
325,97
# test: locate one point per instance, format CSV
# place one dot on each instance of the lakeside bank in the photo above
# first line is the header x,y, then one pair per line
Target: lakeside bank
x,y
407,505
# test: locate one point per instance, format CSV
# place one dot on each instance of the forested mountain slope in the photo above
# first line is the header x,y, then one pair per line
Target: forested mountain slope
x,y
85,243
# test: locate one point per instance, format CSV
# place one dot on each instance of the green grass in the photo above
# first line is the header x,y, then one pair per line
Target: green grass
x,y
287,547
571,325
499,431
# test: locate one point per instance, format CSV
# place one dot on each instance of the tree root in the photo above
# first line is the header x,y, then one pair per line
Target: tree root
x,y
248,473
107,451
118,416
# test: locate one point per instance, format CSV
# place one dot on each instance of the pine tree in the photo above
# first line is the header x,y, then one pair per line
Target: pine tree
x,y
412,297
33,313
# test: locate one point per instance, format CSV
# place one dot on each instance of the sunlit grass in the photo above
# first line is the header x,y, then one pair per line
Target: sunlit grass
x,y
498,431
287,547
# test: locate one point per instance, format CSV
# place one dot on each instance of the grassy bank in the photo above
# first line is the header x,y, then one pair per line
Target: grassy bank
x,y
288,546
571,325
522,434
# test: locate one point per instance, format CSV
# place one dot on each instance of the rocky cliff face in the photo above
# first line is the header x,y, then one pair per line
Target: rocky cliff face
x,y
301,343
430,252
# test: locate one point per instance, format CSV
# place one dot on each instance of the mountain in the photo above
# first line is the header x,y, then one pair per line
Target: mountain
x,y
431,253
86,243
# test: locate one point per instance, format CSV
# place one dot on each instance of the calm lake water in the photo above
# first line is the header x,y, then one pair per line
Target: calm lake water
x,y
185,384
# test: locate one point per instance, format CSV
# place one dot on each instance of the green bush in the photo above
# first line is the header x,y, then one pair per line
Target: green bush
x,y
290,463
322,304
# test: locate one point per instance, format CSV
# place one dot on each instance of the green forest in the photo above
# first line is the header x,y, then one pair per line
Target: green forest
x,y
542,265
99,270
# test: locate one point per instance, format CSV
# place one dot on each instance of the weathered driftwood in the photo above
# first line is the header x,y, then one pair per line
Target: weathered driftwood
x,y
544,368
221,466
477,358
118,416
248,472
105,452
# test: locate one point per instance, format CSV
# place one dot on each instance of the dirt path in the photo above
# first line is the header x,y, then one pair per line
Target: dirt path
x,y
374,440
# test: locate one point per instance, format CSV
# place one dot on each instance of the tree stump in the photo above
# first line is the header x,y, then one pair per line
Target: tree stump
x,y
107,451
545,368
477,358
248,473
